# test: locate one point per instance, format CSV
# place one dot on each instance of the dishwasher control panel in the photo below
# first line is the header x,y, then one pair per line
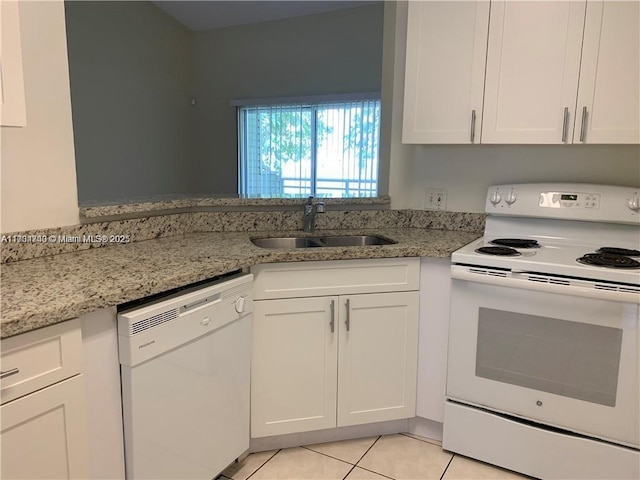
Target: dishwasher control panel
x,y
149,330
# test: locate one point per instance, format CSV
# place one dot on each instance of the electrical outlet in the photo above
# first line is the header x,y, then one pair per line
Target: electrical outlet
x,y
435,199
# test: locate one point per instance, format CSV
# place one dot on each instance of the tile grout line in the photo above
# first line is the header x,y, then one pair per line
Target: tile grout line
x,y
349,472
447,467
327,455
340,459
377,473
361,457
265,462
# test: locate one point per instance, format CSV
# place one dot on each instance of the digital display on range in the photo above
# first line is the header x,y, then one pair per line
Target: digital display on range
x,y
567,196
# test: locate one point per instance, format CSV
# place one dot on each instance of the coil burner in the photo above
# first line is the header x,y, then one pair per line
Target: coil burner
x,y
619,251
500,251
516,242
608,260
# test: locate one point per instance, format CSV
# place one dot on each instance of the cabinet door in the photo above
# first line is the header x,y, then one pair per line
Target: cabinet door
x,y
444,78
294,365
378,357
44,433
609,93
533,62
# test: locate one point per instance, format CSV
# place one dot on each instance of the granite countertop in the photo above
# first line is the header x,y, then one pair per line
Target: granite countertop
x,y
48,290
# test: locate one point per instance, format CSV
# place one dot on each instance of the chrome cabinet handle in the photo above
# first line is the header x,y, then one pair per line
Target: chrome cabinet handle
x,y
565,124
583,127
8,373
347,322
332,323
473,126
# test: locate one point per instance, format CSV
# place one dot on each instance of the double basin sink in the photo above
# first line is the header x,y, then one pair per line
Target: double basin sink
x,y
323,241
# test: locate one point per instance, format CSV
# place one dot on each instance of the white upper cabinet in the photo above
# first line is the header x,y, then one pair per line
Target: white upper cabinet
x,y
444,78
533,63
556,72
609,94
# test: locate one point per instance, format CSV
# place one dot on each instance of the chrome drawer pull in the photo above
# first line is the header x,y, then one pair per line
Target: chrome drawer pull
x,y
8,373
473,126
583,127
565,124
347,322
332,323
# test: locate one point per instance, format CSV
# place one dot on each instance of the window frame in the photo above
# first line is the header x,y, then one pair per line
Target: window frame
x,y
313,102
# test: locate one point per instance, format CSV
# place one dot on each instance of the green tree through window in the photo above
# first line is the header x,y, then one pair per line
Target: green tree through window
x,y
325,150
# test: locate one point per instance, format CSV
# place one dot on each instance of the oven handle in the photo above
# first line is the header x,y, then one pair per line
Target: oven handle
x,y
520,279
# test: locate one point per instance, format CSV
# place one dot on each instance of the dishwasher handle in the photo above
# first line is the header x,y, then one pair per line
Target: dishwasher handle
x,y
210,300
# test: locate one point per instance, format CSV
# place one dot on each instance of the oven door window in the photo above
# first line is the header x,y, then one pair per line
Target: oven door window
x,y
571,359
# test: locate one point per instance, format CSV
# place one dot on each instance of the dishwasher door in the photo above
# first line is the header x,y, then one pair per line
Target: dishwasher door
x,y
185,372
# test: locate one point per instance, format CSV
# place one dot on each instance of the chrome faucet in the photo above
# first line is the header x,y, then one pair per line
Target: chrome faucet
x,y
310,210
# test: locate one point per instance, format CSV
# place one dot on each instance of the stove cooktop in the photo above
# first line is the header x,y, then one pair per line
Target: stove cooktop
x,y
584,231
555,259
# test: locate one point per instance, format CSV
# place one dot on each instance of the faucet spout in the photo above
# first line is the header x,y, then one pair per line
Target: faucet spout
x,y
310,211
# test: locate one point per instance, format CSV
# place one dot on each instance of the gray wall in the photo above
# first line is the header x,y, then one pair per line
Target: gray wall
x,y
335,52
130,69
133,70
467,171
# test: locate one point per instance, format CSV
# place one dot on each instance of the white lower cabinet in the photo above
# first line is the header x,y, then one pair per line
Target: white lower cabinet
x,y
294,366
43,434
377,357
334,360
43,413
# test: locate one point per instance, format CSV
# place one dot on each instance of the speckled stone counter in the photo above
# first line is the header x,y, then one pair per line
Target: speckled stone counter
x,y
181,203
48,290
54,241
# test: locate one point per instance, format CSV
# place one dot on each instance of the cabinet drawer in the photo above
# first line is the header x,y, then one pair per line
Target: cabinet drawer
x,y
42,358
339,277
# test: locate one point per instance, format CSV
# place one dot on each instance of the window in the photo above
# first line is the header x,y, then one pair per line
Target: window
x,y
324,149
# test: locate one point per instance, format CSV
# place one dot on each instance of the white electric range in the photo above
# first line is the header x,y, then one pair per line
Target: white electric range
x,y
544,343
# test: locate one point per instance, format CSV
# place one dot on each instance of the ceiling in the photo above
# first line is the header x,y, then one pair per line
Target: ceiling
x,y
211,14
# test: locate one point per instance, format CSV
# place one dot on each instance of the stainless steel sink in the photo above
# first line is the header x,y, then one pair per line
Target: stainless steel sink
x,y
285,242
354,241
324,241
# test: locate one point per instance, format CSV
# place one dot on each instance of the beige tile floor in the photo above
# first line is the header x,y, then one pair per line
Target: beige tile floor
x,y
399,457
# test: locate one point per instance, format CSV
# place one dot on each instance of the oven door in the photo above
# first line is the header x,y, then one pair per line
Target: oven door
x,y
562,360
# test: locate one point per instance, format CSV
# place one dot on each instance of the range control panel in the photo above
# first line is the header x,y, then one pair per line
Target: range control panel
x,y
567,201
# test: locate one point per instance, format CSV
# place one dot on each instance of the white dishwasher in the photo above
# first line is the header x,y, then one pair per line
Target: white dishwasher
x,y
185,372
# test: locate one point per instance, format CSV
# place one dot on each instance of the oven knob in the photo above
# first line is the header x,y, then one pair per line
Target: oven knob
x,y
511,198
634,204
240,304
495,198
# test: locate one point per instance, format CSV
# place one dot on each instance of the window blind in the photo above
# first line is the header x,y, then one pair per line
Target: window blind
x,y
325,149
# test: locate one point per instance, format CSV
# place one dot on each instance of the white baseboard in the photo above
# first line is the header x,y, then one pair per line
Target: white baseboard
x,y
428,429
329,435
